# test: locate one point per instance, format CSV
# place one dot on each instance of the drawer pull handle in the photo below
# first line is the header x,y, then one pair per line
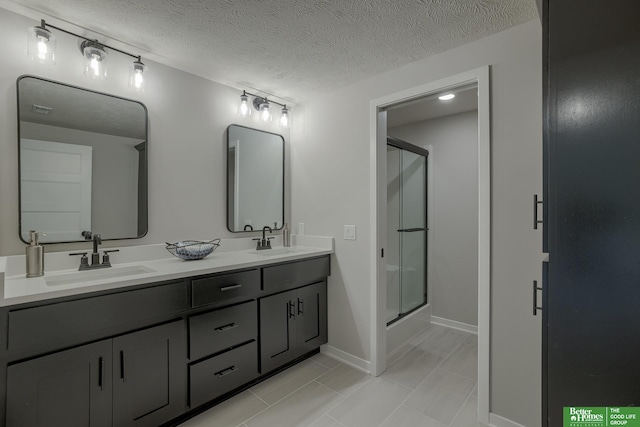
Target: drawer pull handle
x,y
292,310
123,361
227,371
536,307
230,288
300,306
226,327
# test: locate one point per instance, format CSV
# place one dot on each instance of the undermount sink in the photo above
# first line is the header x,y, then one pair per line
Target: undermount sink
x,y
276,252
94,275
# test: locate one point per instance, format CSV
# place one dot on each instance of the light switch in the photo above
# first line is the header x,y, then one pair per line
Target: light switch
x,y
350,232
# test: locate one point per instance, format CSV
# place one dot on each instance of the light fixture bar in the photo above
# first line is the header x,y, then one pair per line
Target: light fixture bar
x,y
45,25
263,97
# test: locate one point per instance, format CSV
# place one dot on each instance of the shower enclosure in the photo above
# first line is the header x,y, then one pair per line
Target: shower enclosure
x,y
406,228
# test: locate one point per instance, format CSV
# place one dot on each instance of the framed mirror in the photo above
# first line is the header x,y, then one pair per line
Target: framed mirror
x,y
83,162
255,179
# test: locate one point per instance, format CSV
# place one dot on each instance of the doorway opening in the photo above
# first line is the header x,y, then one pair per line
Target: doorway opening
x,y
381,235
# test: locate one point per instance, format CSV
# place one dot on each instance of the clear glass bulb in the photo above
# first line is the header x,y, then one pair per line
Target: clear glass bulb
x,y
244,109
138,77
265,112
95,60
284,118
41,46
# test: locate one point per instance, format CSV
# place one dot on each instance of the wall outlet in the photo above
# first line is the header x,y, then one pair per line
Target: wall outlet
x,y
301,228
349,232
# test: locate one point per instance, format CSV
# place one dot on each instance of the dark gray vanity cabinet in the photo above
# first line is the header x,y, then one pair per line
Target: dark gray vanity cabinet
x,y
149,379
292,323
69,388
138,377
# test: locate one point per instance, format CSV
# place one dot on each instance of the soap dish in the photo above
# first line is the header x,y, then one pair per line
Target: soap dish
x,y
190,250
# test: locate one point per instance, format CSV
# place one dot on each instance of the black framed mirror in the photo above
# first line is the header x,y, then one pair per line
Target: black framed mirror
x,y
255,179
83,162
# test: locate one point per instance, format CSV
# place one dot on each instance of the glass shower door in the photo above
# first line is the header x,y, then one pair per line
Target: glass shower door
x,y
406,228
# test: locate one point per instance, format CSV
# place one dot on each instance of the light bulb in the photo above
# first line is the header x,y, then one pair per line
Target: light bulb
x,y
284,118
265,112
95,59
446,97
41,45
244,109
138,78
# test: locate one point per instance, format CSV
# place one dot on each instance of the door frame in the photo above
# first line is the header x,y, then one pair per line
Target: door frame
x,y
377,188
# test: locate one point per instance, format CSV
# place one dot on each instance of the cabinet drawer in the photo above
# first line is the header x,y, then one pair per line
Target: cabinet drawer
x,y
214,377
218,330
225,287
294,274
61,323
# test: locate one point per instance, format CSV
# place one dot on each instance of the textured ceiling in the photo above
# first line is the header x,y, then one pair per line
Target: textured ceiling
x,y
291,48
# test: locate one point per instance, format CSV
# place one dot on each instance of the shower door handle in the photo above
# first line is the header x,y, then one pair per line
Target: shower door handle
x,y
411,230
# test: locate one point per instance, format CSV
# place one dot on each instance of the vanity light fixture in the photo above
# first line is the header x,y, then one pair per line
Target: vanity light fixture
x,y
42,44
263,106
447,97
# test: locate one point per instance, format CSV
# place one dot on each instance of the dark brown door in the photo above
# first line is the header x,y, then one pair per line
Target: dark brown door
x,y
277,330
311,317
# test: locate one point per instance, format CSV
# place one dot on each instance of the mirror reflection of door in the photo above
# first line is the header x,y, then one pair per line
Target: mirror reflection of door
x,y
109,196
55,188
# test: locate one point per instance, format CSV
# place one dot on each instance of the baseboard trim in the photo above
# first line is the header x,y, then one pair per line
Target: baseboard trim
x,y
346,358
498,421
454,324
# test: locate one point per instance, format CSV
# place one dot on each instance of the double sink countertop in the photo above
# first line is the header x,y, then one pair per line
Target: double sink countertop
x,y
137,265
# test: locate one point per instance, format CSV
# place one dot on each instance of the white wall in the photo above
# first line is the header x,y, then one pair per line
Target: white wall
x,y
453,227
188,117
330,165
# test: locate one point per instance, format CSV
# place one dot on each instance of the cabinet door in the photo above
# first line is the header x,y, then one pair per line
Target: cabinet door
x,y
149,384
71,388
277,330
311,317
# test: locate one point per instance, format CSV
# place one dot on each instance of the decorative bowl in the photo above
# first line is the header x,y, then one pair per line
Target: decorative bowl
x,y
190,250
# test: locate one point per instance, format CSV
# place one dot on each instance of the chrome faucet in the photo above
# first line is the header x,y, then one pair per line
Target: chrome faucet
x,y
265,242
95,255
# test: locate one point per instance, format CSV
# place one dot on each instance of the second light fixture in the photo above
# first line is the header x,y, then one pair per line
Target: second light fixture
x,y
263,106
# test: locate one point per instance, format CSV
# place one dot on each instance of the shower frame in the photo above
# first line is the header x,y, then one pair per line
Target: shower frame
x,y
403,145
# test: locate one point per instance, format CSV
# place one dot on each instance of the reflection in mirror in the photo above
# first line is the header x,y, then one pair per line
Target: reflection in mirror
x,y
255,179
83,162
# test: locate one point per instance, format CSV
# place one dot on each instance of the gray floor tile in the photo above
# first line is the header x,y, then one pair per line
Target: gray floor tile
x,y
441,395
285,383
326,421
344,379
370,404
412,368
229,413
442,340
468,415
326,361
302,408
404,416
472,339
463,361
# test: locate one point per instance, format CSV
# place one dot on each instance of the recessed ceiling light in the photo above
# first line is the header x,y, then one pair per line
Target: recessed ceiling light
x,y
446,97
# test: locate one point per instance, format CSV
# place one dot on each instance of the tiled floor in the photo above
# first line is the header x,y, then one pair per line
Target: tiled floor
x,y
430,383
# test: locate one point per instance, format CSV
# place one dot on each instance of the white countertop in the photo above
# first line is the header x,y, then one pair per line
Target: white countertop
x,y
136,265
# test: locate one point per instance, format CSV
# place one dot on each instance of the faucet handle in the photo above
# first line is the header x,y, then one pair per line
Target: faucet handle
x,y
84,261
105,256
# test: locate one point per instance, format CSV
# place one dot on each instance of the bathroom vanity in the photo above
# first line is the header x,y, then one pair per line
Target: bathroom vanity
x,y
155,350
